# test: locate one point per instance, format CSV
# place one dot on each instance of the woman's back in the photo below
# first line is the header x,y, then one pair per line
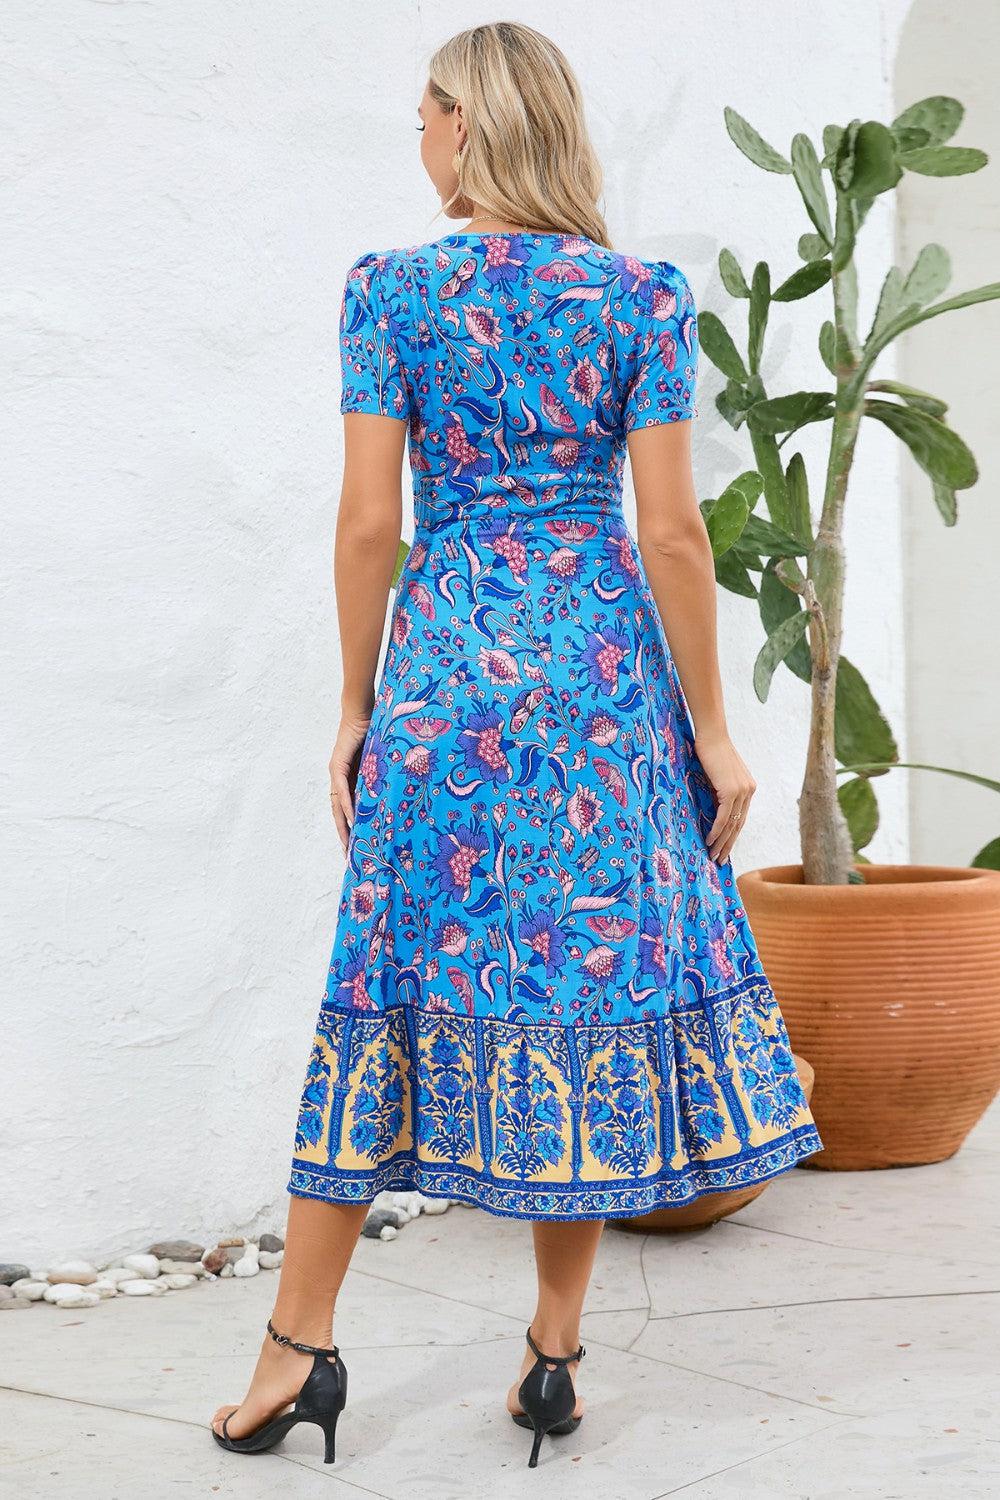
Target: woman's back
x,y
521,360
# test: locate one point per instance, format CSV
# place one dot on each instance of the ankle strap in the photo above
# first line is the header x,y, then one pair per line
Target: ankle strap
x,y
553,1359
285,1342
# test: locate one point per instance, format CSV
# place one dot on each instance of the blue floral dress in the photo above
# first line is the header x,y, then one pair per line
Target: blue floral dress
x,y
544,996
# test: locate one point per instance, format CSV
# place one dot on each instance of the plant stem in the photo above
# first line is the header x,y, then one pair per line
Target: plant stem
x,y
827,853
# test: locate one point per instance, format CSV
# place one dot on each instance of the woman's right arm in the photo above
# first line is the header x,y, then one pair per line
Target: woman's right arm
x,y
369,525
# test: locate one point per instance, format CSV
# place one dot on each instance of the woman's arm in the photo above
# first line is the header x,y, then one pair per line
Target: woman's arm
x,y
369,523
677,556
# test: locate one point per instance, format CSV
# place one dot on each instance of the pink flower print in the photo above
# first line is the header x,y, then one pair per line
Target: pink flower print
x,y
372,768
565,452
584,810
664,304
604,653
483,746
654,956
601,729
506,540
483,325
585,382
564,564
401,627
363,901
417,761
603,964
663,867
668,349
466,457
618,546
452,938
718,950
457,859
499,667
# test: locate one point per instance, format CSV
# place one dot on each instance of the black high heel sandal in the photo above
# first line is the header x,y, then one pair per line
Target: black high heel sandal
x,y
321,1399
548,1397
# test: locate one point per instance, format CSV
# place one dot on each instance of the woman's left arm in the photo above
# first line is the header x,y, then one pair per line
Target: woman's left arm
x,y
677,557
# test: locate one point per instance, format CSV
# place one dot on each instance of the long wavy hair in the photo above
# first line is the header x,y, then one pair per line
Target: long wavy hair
x,y
528,157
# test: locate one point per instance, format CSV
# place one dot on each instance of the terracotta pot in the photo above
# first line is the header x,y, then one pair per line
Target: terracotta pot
x,y
892,989
709,1208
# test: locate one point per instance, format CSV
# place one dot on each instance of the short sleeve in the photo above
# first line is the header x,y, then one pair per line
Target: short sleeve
x,y
373,375
663,386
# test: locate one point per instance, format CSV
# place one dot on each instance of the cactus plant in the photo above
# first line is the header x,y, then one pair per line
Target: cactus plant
x,y
800,564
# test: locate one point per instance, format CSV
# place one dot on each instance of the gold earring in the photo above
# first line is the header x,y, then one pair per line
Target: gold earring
x,y
456,161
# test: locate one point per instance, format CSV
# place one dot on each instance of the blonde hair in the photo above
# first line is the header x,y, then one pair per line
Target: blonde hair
x,y
528,157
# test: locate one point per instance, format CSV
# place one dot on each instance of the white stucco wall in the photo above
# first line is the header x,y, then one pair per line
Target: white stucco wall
x,y
953,574
191,182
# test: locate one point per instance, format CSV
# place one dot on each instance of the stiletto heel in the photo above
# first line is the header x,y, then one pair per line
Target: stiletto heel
x,y
322,1397
547,1396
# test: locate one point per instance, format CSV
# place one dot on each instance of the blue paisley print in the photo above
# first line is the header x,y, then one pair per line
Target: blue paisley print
x,y
544,995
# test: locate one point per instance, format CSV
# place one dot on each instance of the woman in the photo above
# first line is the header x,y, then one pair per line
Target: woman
x,y
544,996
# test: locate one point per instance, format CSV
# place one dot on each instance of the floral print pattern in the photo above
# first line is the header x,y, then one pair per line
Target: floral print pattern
x,y
544,995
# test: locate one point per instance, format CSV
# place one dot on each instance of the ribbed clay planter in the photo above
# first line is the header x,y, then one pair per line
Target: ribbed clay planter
x,y
709,1208
892,990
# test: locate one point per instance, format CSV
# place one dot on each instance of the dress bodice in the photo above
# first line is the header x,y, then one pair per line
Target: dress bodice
x,y
520,362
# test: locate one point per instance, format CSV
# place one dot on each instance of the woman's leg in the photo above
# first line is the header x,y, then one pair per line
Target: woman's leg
x,y
564,1260
319,1242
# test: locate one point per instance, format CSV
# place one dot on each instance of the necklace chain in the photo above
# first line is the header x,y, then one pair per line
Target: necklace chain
x,y
519,228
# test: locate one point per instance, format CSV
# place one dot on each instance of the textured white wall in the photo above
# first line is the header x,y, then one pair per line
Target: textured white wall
x,y
190,183
953,574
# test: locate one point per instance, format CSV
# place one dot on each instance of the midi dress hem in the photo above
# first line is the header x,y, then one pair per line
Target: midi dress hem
x,y
538,1120
623,1202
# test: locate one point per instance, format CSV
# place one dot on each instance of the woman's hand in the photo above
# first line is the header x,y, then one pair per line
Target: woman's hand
x,y
733,787
344,764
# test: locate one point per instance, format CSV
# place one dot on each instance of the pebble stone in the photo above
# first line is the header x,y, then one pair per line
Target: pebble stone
x,y
33,1290
232,1241
379,1219
11,1271
174,1281
59,1289
214,1260
227,1269
270,1260
79,1272
249,1262
182,1268
104,1289
13,1304
437,1205
138,1288
270,1244
6,1293
185,1250
80,1296
142,1265
117,1274
388,1232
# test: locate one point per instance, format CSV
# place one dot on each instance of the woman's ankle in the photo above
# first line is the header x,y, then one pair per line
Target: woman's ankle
x,y
555,1337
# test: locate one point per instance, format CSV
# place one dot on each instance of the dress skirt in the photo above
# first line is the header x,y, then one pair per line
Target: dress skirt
x,y
544,996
